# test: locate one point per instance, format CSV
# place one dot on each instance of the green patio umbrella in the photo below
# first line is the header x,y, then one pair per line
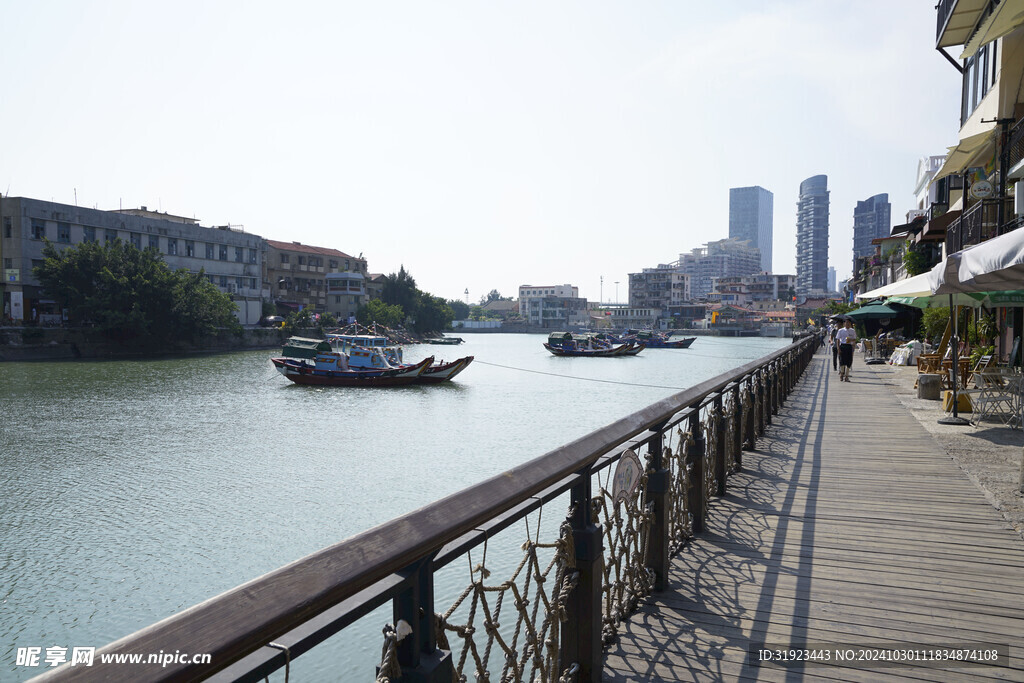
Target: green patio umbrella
x,y
873,312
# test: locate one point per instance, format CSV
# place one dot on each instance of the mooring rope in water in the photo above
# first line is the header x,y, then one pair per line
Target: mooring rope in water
x,y
585,379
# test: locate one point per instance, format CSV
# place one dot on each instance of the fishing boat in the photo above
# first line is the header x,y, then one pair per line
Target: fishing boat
x,y
654,340
446,341
569,344
337,369
360,353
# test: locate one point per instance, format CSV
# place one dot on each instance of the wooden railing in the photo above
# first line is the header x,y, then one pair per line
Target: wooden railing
x,y
261,626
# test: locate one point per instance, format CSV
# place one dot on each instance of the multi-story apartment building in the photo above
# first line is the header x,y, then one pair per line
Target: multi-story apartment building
x,y
301,276
724,258
662,287
553,306
750,218
748,290
812,236
231,258
872,219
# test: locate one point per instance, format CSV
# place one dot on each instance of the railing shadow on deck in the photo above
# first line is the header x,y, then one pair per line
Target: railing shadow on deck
x,y
706,613
625,521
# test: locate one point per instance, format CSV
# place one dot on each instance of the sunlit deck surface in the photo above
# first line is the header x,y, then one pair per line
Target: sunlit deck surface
x,y
849,527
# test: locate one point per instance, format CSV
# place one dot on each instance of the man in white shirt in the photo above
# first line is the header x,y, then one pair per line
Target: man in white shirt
x,y
846,338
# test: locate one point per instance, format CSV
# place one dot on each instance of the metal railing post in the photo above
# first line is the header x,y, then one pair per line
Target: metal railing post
x,y
417,652
659,479
719,446
738,427
581,634
695,467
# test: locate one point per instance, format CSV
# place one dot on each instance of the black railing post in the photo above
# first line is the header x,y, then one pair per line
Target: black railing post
x,y
737,400
581,634
695,467
417,652
658,484
719,446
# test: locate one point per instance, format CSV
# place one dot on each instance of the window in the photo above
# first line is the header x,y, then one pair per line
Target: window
x,y
252,283
224,281
38,229
154,242
109,236
8,263
238,254
284,258
223,253
8,227
334,264
136,240
88,234
172,246
209,251
302,260
337,299
63,232
190,248
252,256
240,282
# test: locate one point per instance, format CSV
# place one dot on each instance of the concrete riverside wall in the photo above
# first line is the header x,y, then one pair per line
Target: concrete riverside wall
x,y
58,343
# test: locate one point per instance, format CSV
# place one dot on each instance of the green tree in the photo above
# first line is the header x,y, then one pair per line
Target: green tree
x,y
376,311
493,295
400,290
132,295
460,309
915,261
433,314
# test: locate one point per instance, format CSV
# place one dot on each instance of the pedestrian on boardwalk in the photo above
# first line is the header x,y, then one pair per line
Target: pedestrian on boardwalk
x,y
845,339
832,330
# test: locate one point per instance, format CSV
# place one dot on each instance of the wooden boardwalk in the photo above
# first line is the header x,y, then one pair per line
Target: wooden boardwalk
x,y
848,528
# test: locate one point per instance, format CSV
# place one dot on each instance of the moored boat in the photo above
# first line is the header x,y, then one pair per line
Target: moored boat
x,y
654,340
569,344
333,368
359,360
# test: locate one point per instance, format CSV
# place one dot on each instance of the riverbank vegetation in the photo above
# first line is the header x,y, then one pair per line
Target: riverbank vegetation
x,y
132,295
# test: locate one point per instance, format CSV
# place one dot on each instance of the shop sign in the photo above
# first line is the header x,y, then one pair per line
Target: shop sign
x,y
981,189
12,275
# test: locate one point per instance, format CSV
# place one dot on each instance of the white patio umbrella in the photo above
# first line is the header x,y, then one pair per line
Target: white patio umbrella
x,y
994,265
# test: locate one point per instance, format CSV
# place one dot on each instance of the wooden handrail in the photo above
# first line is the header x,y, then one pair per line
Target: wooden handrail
x,y
244,619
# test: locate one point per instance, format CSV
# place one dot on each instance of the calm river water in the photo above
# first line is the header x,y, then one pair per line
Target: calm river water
x,y
134,489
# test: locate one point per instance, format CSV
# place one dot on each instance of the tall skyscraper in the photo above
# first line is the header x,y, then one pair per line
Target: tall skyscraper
x,y
871,220
750,218
812,236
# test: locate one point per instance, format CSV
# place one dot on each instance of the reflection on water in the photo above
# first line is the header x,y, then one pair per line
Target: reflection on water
x,y
135,489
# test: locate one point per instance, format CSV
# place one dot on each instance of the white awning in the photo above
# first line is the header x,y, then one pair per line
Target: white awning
x,y
994,265
917,285
1003,20
964,154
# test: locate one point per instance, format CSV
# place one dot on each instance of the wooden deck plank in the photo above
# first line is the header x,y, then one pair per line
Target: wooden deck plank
x,y
848,525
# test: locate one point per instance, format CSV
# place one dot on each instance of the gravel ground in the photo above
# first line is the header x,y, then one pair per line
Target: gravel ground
x,y
989,453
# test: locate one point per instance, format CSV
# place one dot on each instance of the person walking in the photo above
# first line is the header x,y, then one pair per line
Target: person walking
x,y
832,330
845,339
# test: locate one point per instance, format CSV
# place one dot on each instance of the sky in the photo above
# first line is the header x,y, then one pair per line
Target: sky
x,y
482,145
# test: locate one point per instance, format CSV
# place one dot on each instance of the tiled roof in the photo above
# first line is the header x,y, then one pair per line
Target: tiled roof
x,y
306,249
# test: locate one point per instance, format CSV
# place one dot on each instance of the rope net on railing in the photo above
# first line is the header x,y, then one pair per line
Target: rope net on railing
x,y
625,527
536,594
711,437
680,521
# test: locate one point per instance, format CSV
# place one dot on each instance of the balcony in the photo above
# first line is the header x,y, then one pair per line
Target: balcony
x,y
979,223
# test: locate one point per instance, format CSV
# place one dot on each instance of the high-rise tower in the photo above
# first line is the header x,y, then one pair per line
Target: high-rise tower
x,y
812,236
750,218
871,220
